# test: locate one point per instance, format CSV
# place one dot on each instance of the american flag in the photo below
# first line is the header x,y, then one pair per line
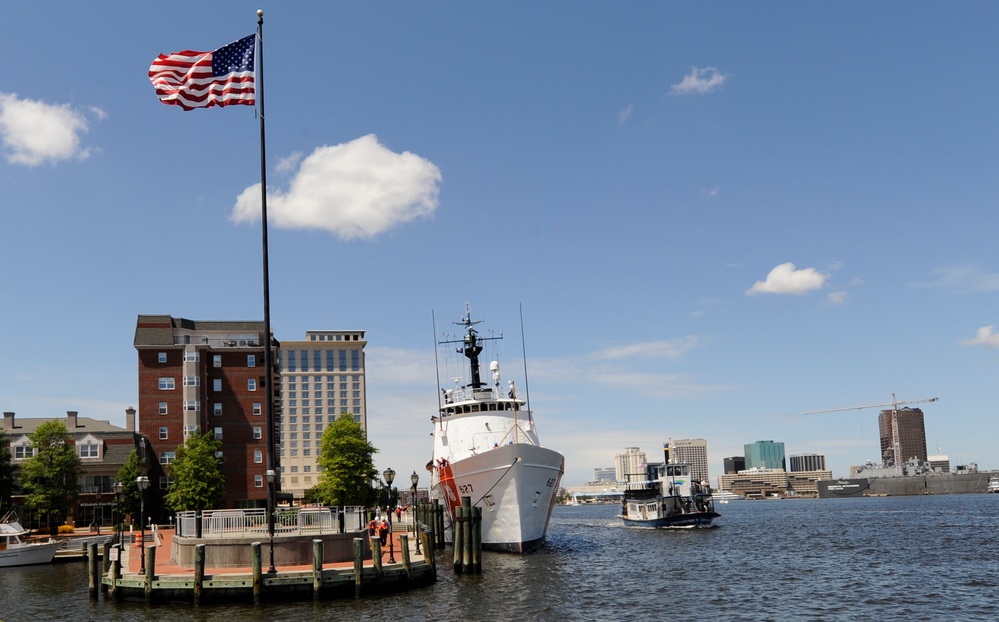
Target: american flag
x,y
203,79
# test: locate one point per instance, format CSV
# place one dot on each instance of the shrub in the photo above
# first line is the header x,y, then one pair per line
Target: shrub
x,y
65,529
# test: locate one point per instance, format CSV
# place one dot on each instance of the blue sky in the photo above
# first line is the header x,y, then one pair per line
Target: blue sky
x,y
714,218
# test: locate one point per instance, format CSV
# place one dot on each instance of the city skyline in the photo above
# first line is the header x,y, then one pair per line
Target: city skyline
x,y
692,220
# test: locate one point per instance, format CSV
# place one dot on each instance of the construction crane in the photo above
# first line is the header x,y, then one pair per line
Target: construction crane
x,y
895,441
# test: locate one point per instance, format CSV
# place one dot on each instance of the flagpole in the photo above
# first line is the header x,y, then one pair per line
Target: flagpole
x,y
268,363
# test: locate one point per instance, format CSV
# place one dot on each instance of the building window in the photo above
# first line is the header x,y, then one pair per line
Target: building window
x,y
189,430
218,456
167,384
217,385
90,450
23,452
192,381
256,432
166,457
163,408
218,434
192,405
217,409
256,408
258,456
308,468
190,357
161,357
251,384
163,433
217,360
294,469
251,360
258,481
165,482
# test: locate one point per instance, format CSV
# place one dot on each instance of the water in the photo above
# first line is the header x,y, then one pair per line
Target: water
x,y
903,558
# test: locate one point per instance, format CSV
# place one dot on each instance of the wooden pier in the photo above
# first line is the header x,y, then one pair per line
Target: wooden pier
x,y
165,581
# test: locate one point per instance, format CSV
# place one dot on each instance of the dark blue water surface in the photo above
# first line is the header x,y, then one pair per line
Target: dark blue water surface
x,y
892,558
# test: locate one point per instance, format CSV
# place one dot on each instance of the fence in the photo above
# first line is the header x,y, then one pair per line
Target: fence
x,y
287,521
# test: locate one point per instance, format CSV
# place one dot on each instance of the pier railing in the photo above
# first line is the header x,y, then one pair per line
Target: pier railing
x,y
287,521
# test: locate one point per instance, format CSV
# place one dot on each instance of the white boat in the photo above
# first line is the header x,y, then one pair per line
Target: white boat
x,y
673,501
993,484
486,448
14,551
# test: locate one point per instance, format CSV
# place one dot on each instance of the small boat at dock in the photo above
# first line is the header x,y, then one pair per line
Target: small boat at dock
x,y
993,484
672,501
16,550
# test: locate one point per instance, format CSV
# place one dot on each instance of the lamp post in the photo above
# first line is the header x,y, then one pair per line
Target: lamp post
x,y
416,510
143,483
271,476
117,488
389,477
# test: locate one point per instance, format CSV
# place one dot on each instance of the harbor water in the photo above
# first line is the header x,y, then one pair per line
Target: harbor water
x,y
905,558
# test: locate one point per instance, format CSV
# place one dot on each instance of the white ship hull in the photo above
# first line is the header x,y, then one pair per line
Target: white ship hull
x,y
27,554
486,448
515,485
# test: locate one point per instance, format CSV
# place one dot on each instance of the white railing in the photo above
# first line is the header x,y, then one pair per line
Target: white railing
x,y
287,521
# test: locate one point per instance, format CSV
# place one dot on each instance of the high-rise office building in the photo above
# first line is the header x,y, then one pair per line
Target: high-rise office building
x,y
206,376
807,462
630,466
734,464
322,377
911,435
604,474
765,455
693,451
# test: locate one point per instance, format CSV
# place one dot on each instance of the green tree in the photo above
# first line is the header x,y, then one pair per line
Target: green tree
x,y
7,473
347,465
197,482
51,478
130,496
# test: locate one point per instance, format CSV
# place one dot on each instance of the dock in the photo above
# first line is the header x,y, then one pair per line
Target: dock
x,y
373,570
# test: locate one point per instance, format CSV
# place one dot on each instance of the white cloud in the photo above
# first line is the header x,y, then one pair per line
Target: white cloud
x,y
672,348
986,336
700,80
711,192
33,131
785,279
357,189
623,116
963,278
290,162
836,298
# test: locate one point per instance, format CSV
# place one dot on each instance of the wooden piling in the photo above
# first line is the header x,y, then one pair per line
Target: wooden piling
x,y
199,572
376,556
358,565
114,593
459,533
106,565
404,548
439,517
256,564
93,570
150,573
317,568
477,540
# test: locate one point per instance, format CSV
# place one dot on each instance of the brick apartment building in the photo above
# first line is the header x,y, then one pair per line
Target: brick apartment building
x,y
208,376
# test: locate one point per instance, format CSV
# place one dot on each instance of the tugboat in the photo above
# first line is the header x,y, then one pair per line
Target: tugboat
x,y
486,447
672,501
